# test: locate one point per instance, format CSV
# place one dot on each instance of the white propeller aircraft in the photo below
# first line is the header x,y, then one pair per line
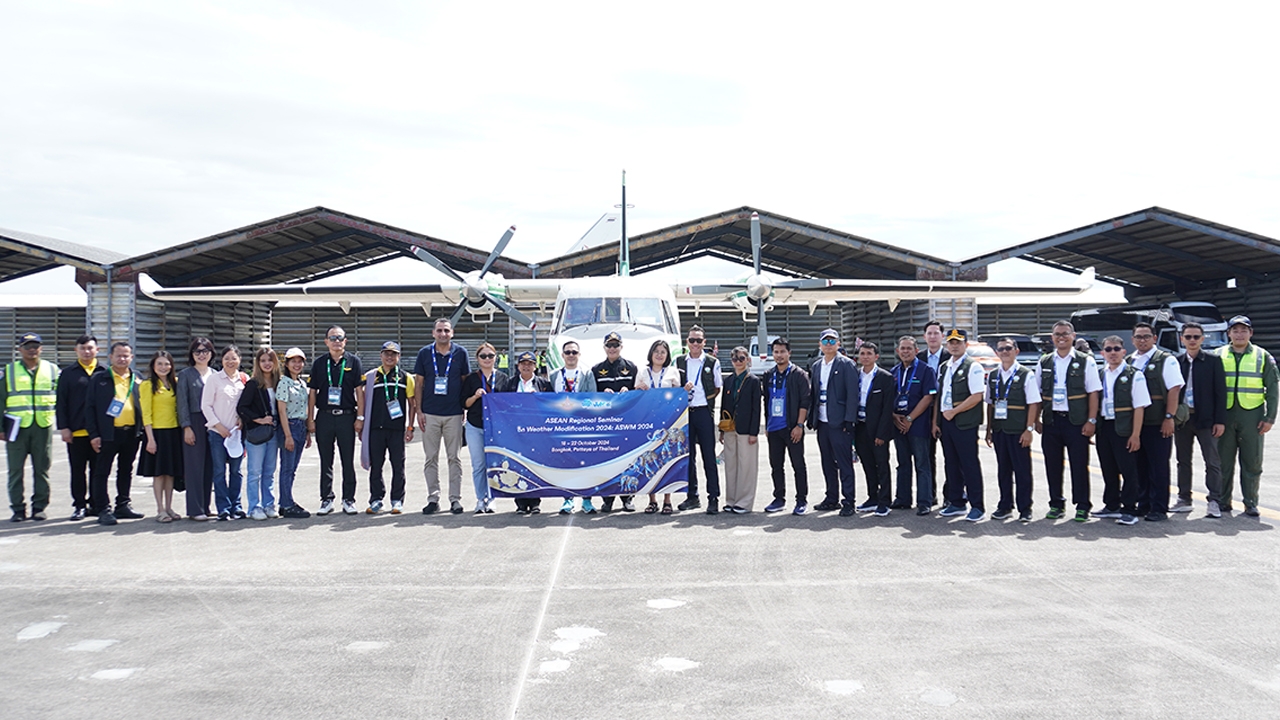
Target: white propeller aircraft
x,y
587,309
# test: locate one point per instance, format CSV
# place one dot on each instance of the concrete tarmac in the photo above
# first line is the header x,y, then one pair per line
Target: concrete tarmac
x,y
640,616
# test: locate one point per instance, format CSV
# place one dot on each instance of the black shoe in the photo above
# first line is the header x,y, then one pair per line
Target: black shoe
x,y
432,508
239,514
297,511
827,505
607,506
77,514
1252,512
897,505
126,512
690,503
224,516
713,505
847,511
535,510
18,516
106,518
924,511
1154,516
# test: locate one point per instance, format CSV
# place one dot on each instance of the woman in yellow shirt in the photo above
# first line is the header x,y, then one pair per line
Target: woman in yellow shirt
x,y
162,458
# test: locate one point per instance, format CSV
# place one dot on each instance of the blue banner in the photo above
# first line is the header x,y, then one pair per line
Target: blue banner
x,y
586,444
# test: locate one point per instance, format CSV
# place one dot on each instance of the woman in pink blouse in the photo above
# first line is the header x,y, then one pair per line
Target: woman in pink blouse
x,y
218,402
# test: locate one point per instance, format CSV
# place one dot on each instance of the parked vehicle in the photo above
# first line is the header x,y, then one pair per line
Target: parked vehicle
x,y
1166,319
1029,351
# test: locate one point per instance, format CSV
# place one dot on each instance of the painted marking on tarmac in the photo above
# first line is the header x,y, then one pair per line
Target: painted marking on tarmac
x,y
742,532
675,664
542,616
665,603
844,687
572,638
92,645
365,646
10,567
114,674
8,541
35,631
938,696
550,666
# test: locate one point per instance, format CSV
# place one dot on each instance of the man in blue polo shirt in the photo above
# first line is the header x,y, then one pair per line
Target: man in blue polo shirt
x,y
786,409
438,373
916,387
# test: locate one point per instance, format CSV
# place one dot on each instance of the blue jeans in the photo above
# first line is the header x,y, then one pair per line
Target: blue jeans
x,y
913,450
262,472
475,448
226,495
289,460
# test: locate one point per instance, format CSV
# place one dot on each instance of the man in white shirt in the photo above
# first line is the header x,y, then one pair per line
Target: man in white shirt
x,y
1119,437
1070,379
700,376
1164,383
934,356
1013,403
955,423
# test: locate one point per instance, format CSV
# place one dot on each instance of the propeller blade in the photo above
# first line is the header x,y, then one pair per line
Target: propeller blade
x,y
755,241
805,284
506,307
713,289
435,262
457,312
497,250
763,339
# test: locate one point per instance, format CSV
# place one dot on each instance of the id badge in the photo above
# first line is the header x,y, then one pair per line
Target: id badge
x,y
1191,398
1059,394
115,408
335,396
775,408
862,412
1002,410
1109,409
442,386
394,411
822,397
902,404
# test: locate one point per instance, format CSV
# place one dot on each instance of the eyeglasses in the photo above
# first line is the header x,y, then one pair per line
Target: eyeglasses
x,y
828,341
613,346
1144,336
1113,348
1063,334
1005,348
337,338
486,356
695,341
1192,337
570,352
207,351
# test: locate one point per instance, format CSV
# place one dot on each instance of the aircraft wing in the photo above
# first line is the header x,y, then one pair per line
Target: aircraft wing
x,y
533,291
445,293
811,291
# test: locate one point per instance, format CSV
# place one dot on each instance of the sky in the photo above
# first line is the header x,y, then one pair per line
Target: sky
x,y
948,128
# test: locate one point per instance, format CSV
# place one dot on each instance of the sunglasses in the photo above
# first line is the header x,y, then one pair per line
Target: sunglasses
x,y
337,338
571,352
1146,336
1192,337
209,351
828,341
695,341
738,359
1005,348
612,346
486,356
1113,348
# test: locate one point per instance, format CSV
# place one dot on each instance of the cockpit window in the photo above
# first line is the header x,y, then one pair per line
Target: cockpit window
x,y
639,311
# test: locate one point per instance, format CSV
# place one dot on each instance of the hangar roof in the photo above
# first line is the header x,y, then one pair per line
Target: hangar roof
x,y
790,247
1153,249
23,254
301,247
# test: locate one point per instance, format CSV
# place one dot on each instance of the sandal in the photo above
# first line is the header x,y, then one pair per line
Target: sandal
x,y
653,508
173,515
666,508
163,518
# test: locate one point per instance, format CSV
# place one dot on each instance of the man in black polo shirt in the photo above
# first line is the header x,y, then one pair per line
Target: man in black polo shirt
x,y
615,374
438,373
336,392
73,391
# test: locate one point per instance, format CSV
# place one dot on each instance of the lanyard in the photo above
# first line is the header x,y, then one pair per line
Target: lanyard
x,y
389,381
780,378
486,383
342,370
902,372
661,374
132,379
566,382
435,366
1002,389
737,385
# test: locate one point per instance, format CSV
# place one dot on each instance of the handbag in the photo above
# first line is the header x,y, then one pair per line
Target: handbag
x,y
259,434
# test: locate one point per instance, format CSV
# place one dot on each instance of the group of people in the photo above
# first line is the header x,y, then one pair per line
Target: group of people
x,y
222,434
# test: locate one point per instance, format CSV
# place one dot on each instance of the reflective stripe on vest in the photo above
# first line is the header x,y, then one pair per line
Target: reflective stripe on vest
x,y
31,401
1242,383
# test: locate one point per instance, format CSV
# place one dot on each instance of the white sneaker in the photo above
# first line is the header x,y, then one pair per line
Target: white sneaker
x,y
1181,506
1213,511
375,507
258,514
349,507
272,512
326,507
397,507
479,507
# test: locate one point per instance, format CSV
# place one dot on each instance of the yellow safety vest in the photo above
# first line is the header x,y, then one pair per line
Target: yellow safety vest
x,y
32,398
1244,382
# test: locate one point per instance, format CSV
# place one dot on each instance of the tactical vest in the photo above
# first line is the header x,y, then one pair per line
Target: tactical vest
x,y
1016,397
1245,382
1077,396
32,399
972,417
707,377
1154,373
1123,398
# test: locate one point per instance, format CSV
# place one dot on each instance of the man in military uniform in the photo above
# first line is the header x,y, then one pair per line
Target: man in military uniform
x,y
612,375
1164,384
1253,396
28,394
1013,403
1070,379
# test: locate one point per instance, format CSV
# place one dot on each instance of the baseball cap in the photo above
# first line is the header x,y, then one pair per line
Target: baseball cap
x,y
25,338
391,345
829,332
957,334
526,356
613,337
1237,320
294,352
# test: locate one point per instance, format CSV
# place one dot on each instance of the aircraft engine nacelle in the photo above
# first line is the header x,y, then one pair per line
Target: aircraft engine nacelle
x,y
749,305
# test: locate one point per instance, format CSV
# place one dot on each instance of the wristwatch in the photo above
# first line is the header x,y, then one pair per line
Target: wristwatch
x,y
1168,416
1093,421
1031,428
360,418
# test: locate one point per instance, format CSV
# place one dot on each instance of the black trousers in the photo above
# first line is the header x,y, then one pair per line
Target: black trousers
x,y
1153,470
122,451
702,436
339,429
80,457
1058,436
384,441
835,447
875,466
1117,464
781,447
963,469
1013,472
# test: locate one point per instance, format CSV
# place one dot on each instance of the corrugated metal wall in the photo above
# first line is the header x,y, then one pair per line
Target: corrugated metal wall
x,y
58,327
1024,319
726,326
1260,302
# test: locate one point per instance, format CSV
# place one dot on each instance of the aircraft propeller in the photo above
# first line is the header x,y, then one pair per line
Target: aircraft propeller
x,y
475,291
